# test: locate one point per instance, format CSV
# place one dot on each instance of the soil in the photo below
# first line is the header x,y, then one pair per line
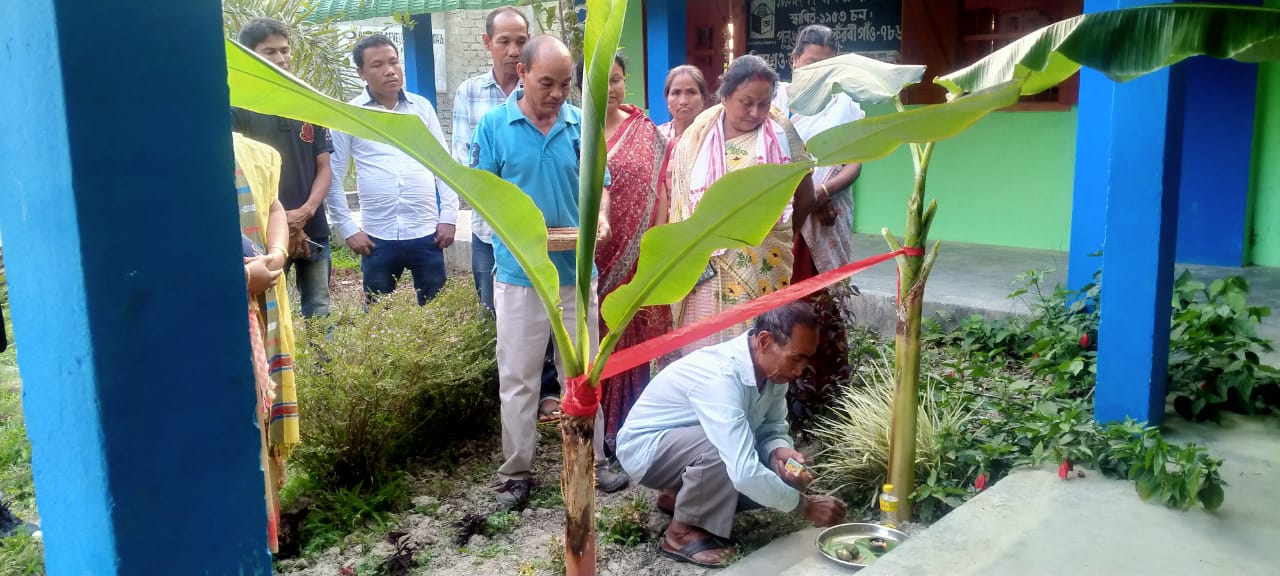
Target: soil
x,y
533,547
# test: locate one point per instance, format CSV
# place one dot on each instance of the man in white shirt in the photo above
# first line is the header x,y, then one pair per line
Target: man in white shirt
x,y
408,214
711,432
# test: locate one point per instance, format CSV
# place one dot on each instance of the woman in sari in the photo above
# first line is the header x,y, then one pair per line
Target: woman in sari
x,y
265,234
820,247
637,202
742,131
686,94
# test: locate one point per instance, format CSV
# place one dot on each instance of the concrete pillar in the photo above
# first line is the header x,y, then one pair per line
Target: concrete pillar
x,y
1133,175
420,59
664,22
1213,213
120,221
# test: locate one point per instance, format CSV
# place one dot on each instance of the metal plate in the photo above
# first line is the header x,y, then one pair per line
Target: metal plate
x,y
847,533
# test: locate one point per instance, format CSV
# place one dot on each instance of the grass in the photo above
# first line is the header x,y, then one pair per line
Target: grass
x,y
859,424
342,257
20,554
626,523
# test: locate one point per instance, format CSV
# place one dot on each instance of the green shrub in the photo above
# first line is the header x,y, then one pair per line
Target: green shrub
x,y
377,388
855,434
626,523
1213,358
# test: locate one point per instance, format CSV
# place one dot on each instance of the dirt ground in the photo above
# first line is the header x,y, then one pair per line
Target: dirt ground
x,y
532,548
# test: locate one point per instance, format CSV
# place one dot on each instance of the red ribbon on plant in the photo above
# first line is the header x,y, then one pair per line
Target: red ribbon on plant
x,y
582,400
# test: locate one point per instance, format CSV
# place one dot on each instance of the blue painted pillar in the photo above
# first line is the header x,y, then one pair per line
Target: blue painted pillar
x,y
1141,216
420,59
664,22
1092,171
1213,215
120,221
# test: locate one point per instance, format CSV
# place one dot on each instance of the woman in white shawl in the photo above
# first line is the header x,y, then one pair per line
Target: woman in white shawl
x,y
743,130
819,247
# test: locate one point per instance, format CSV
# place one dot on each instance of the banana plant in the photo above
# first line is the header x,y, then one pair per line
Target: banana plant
x,y
1123,44
739,209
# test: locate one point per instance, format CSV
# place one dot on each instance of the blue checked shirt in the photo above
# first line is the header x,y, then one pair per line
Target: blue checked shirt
x,y
475,96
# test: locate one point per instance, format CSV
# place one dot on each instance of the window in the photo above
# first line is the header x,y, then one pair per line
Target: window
x,y
946,35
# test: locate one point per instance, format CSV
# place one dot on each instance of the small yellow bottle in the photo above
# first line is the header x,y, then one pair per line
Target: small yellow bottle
x,y
888,507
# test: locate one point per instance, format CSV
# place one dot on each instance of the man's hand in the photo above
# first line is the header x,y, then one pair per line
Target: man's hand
x,y
822,510
258,274
360,243
299,247
299,217
444,235
778,462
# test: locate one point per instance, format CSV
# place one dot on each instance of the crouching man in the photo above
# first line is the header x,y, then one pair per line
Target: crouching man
x,y
710,431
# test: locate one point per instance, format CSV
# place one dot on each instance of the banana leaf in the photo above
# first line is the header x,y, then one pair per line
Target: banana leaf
x,y
865,80
1125,44
259,86
878,136
738,210
603,32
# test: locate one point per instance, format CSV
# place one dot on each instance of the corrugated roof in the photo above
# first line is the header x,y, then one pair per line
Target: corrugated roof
x,y
361,9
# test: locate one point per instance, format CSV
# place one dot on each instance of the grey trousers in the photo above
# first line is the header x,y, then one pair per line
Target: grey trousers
x,y
523,330
686,461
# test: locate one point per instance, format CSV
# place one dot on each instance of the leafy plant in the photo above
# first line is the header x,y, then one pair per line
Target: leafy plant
x,y
855,434
382,386
333,514
625,524
320,49
1213,351
500,524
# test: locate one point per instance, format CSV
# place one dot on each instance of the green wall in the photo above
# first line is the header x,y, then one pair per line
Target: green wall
x,y
1006,181
1265,247
633,48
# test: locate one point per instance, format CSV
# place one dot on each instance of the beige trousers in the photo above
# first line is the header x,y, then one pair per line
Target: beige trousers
x,y
523,330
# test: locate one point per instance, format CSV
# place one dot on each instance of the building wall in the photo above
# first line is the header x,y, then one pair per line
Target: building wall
x,y
633,48
1265,248
1006,181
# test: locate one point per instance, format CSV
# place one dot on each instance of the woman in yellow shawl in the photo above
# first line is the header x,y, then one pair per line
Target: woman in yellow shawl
x,y
743,130
265,233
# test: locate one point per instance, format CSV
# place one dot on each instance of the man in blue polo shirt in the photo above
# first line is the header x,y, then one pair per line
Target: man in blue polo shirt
x,y
533,141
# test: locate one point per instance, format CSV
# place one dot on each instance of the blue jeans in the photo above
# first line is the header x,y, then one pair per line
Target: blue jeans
x,y
389,259
312,275
482,269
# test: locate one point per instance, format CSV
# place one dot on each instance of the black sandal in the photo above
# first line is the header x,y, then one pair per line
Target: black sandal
x,y
686,554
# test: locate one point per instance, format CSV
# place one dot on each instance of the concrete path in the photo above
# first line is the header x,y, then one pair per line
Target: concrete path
x,y
1032,522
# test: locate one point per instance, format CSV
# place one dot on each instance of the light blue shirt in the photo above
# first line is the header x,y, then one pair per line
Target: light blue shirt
x,y
545,167
715,388
399,198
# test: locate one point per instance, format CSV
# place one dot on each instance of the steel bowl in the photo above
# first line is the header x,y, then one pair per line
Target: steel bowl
x,y
847,533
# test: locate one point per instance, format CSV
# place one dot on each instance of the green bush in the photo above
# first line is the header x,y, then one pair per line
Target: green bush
x,y
377,388
855,432
1213,351
625,524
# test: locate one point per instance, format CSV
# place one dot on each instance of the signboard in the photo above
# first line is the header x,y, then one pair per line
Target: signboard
x,y
872,28
437,46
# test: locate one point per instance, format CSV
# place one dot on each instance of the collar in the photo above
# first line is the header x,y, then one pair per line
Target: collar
x,y
515,114
369,99
742,365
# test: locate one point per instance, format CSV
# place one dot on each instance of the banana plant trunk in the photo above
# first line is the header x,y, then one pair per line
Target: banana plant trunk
x,y
577,484
913,271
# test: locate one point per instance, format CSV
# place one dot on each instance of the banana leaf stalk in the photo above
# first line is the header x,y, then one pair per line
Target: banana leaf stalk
x,y
913,272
